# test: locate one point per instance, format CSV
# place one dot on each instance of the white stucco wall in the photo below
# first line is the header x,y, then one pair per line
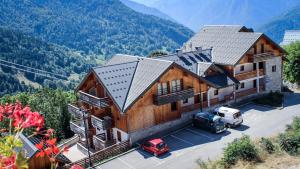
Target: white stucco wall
x,y
273,79
222,92
190,102
247,67
248,85
124,135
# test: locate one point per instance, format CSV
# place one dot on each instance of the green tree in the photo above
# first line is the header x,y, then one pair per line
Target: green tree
x,y
292,65
156,53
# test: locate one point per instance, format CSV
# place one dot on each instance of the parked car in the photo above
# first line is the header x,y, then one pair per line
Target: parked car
x,y
209,122
155,146
230,116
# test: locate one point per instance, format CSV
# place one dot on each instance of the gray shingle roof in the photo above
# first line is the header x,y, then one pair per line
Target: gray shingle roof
x,y
221,80
229,43
117,79
141,74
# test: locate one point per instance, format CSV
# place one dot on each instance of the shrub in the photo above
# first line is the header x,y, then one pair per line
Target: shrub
x,y
239,149
290,142
267,145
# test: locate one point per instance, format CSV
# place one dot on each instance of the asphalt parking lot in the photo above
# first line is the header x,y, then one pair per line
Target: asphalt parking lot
x,y
189,144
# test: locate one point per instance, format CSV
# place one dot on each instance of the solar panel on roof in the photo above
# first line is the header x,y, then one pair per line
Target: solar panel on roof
x,y
183,59
192,59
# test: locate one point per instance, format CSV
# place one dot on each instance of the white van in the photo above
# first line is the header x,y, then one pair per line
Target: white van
x,y
231,117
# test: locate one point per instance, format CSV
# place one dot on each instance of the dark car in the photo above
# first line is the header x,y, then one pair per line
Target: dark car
x,y
209,122
155,146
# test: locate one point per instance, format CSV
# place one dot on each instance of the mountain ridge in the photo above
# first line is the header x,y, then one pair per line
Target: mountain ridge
x,y
103,27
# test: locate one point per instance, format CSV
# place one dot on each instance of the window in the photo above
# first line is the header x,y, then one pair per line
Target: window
x,y
262,48
242,68
221,114
242,85
185,101
261,65
176,85
255,49
254,66
254,83
162,89
119,137
173,106
216,92
274,68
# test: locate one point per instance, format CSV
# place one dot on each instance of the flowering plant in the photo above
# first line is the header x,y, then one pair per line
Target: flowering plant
x,y
21,118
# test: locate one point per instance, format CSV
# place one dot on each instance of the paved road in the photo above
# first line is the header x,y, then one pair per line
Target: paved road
x,y
189,144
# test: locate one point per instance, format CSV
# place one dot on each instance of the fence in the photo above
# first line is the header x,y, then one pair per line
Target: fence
x,y
102,154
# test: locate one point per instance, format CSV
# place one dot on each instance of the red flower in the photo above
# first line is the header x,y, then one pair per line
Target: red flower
x,y
66,149
40,145
55,150
51,142
76,167
40,154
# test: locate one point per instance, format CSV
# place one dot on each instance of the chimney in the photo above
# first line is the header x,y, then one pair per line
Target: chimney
x,y
210,53
179,52
198,49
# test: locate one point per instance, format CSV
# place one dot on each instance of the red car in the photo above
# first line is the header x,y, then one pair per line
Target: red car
x,y
155,146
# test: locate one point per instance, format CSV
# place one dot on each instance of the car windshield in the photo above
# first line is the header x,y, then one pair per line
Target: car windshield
x,y
161,145
218,122
236,115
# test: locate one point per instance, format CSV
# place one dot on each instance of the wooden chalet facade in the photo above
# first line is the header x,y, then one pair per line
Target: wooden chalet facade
x,y
150,98
130,97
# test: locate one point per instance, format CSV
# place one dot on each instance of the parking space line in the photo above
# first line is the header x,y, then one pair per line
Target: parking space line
x,y
200,134
182,140
124,162
174,132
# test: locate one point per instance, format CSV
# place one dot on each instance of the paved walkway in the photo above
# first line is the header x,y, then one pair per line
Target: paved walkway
x,y
74,154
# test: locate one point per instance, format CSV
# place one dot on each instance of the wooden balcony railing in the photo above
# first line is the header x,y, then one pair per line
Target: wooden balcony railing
x,y
248,75
77,127
214,101
100,142
173,97
101,124
75,111
93,100
246,92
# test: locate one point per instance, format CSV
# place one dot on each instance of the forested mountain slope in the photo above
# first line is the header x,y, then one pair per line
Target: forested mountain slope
x,y
102,27
288,21
22,49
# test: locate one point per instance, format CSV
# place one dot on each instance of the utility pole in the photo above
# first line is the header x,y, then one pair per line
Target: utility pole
x,y
85,117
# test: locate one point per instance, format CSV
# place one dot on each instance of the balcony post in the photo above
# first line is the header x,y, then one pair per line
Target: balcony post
x,y
257,77
208,98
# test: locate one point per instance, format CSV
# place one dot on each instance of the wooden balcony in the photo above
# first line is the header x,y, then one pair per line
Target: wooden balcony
x,y
101,124
173,97
249,74
214,101
74,111
100,142
246,92
77,127
93,100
